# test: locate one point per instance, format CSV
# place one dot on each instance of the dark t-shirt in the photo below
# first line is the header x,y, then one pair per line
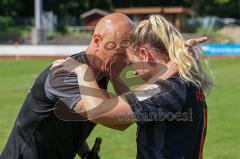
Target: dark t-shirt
x,y
171,118
46,126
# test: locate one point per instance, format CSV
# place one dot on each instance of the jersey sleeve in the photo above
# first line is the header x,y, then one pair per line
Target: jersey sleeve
x,y
157,100
63,87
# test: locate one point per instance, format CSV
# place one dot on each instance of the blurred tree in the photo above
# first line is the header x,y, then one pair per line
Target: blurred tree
x,y
16,7
221,8
66,8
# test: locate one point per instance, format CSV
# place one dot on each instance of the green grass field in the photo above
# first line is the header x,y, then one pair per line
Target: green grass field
x,y
222,142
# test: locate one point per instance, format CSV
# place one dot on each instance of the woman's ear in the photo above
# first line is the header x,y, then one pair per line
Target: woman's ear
x,y
145,55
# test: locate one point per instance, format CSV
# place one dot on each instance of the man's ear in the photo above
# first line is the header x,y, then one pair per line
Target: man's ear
x,y
96,40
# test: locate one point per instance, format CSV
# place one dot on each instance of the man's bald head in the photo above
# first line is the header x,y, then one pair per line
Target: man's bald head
x,y
113,22
109,34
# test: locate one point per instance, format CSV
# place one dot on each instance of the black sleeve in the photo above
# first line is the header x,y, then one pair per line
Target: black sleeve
x,y
64,87
166,96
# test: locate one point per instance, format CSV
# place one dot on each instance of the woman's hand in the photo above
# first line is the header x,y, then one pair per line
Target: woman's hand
x,y
57,63
67,65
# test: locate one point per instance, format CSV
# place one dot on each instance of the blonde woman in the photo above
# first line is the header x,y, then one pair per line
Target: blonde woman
x,y
169,109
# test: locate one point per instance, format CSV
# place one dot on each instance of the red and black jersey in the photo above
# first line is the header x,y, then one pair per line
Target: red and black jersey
x,y
172,120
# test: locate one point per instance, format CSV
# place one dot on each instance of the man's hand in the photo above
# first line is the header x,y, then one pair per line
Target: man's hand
x,y
118,62
194,42
190,43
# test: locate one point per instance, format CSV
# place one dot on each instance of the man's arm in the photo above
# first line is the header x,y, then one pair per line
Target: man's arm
x,y
81,110
99,108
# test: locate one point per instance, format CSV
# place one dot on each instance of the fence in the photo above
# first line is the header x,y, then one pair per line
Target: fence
x,y
220,50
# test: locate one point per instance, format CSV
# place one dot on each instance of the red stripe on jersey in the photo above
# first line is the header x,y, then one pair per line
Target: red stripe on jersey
x,y
203,132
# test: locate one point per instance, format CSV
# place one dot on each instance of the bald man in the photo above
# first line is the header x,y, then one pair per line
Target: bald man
x,y
44,130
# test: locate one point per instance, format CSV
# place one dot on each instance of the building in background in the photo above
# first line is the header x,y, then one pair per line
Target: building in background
x,y
176,15
91,17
